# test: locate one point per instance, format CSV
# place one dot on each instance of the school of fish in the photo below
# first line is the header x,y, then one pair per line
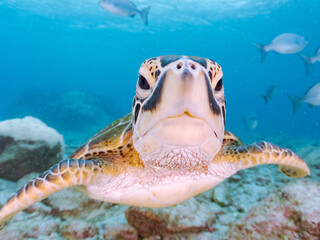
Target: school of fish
x,y
289,43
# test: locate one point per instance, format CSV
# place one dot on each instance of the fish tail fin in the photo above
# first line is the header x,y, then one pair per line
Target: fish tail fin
x,y
307,62
263,52
144,15
296,101
265,98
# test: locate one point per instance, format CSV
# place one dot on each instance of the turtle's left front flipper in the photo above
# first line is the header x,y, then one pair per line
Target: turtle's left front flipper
x,y
246,156
67,173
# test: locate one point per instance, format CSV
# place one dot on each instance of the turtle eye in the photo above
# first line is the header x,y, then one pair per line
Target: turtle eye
x,y
218,85
143,83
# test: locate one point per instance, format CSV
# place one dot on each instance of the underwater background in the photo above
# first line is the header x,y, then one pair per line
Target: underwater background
x,y
50,48
74,65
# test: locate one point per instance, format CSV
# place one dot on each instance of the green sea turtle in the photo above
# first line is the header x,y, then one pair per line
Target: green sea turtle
x,y
172,147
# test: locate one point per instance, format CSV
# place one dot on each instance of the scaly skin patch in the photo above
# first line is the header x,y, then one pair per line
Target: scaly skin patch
x,y
258,153
65,174
113,145
114,135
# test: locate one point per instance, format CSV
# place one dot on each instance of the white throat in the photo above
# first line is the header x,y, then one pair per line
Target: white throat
x,y
178,143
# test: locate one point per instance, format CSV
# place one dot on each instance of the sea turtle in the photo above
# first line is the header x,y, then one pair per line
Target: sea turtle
x,y
172,146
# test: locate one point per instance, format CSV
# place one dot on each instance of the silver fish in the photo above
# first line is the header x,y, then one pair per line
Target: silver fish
x,y
271,92
311,60
312,97
285,43
125,8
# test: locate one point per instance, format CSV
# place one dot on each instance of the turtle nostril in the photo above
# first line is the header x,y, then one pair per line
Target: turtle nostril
x,y
192,65
179,65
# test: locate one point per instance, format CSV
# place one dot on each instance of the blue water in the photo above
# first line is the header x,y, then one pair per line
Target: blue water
x,y
49,48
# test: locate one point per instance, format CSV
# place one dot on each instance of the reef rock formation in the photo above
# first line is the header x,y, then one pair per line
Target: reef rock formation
x,y
27,145
293,212
187,217
80,109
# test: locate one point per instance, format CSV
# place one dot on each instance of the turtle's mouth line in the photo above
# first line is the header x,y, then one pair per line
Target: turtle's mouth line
x,y
186,113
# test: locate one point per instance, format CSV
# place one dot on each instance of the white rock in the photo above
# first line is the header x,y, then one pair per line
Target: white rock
x,y
70,201
30,227
28,145
31,129
220,195
78,229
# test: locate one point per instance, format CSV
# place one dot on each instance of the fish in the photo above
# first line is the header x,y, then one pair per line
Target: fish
x,y
285,43
312,97
251,121
125,8
310,60
271,92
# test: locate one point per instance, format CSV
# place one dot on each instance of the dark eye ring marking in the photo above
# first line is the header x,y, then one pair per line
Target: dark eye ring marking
x,y
155,98
213,103
210,75
134,102
218,85
143,83
224,114
136,112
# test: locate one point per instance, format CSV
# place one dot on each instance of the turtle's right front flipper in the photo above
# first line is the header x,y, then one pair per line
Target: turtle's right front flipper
x,y
65,174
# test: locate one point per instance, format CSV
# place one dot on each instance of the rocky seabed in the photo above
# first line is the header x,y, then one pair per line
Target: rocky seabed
x,y
257,203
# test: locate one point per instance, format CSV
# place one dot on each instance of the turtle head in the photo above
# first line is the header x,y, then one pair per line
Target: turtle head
x,y
178,112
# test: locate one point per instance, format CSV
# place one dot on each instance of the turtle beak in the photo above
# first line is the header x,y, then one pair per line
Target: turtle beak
x,y
182,109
